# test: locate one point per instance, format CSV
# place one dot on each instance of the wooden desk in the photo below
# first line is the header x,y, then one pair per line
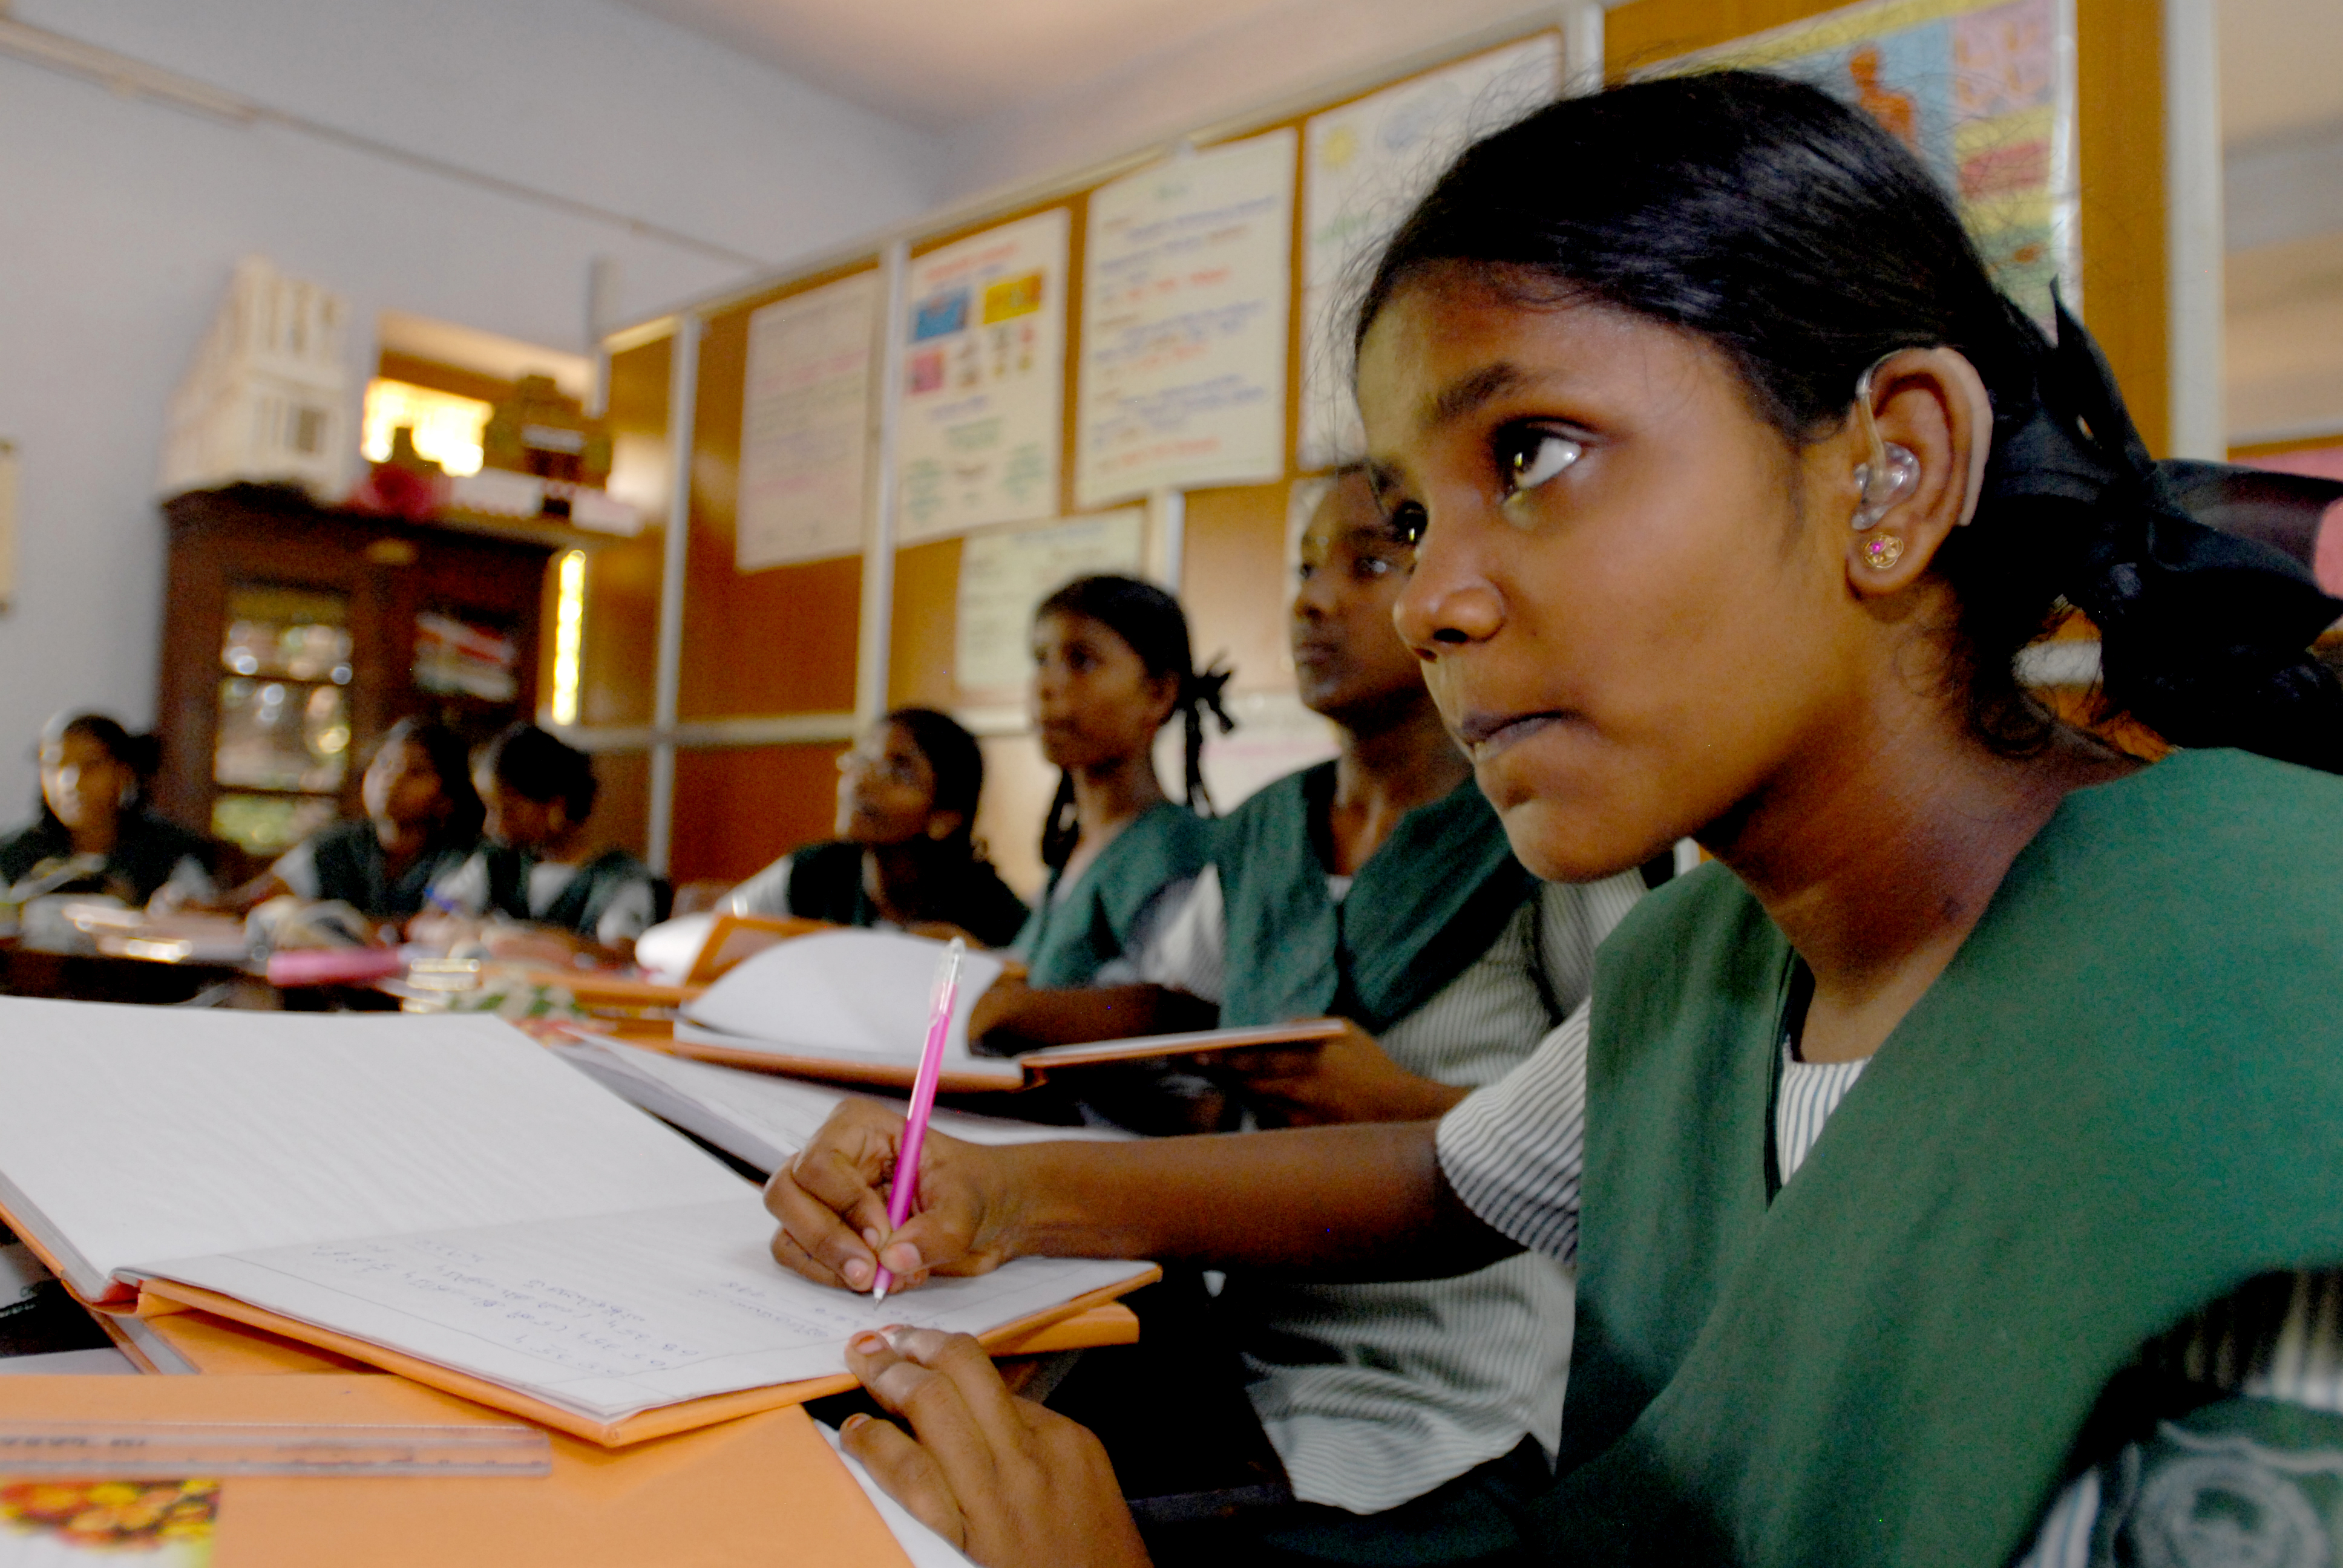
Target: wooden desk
x,y
86,977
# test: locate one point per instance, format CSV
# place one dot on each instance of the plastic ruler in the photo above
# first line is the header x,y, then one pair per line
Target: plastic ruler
x,y
184,1449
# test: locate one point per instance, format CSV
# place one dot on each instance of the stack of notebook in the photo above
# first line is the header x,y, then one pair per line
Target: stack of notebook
x,y
442,1198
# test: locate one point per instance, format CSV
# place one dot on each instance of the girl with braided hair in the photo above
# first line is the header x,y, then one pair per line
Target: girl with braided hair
x,y
1111,665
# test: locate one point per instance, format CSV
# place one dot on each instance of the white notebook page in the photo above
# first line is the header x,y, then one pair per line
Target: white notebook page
x,y
138,1134
611,1315
851,993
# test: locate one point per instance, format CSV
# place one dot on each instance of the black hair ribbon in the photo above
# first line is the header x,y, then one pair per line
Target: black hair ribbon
x,y
2198,575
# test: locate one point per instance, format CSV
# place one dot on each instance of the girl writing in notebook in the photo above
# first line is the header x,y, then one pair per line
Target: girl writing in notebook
x,y
1113,666
906,854
1953,1171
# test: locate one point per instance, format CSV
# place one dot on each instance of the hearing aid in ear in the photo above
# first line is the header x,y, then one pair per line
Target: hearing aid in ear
x,y
1891,472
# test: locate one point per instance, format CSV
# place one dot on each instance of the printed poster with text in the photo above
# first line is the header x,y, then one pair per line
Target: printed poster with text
x,y
1186,273
1982,90
1004,577
984,380
1365,164
805,425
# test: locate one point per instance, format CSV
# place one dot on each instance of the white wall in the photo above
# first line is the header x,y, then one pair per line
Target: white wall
x,y
120,220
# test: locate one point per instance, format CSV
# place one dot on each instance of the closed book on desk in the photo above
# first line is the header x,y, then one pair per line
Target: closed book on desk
x,y
442,1198
850,1007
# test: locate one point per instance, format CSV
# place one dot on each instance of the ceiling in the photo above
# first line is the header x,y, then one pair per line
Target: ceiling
x,y
942,63
939,62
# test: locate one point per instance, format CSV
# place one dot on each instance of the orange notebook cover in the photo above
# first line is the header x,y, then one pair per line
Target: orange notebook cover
x,y
766,1489
1027,1335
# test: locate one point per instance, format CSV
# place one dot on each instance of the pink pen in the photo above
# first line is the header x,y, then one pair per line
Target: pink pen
x,y
923,1103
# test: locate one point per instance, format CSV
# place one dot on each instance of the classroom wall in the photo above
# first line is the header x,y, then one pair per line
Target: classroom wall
x,y
123,218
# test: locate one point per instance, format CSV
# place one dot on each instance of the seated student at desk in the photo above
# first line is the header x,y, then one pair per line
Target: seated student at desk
x,y
1378,887
906,855
1954,1171
422,821
538,793
94,832
1113,666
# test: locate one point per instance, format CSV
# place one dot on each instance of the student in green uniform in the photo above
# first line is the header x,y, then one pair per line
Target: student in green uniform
x,y
95,831
534,868
906,855
422,821
1960,1159
1113,666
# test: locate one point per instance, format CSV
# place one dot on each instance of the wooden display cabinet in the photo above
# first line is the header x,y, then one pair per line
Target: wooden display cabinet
x,y
294,635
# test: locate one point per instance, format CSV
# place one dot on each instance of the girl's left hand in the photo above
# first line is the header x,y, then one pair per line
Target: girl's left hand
x,y
1350,1078
1000,1478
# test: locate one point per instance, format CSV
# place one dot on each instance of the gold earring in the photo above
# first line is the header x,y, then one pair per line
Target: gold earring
x,y
1882,551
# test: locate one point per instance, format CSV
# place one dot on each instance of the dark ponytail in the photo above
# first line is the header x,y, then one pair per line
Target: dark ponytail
x,y
1155,628
1804,242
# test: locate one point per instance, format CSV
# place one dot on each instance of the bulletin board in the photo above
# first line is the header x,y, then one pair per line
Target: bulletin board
x,y
782,640
2119,124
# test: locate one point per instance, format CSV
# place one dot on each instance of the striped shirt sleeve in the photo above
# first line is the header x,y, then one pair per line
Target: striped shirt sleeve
x,y
1515,1151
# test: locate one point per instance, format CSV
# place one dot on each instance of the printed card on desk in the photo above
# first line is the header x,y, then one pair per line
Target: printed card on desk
x,y
440,1197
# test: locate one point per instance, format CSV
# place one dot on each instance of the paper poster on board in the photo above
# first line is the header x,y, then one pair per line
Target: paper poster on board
x,y
1186,275
805,425
984,380
1982,90
1005,576
1364,166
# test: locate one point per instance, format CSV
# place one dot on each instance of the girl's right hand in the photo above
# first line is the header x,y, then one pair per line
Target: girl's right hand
x,y
831,1202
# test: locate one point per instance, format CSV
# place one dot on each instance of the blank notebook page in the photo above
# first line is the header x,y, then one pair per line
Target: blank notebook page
x,y
845,993
147,1133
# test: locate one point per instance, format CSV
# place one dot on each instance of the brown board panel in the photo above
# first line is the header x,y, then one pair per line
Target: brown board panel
x,y
775,641
927,614
618,652
622,806
1236,590
2120,117
740,808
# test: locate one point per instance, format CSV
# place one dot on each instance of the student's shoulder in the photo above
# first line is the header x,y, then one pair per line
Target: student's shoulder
x,y
1274,800
339,836
27,846
1699,908
170,836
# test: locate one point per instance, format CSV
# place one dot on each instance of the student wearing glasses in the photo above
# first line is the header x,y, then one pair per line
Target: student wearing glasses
x,y
905,855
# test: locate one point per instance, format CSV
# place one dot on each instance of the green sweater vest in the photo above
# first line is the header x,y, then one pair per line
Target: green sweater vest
x,y
2123,1098
1066,940
1426,904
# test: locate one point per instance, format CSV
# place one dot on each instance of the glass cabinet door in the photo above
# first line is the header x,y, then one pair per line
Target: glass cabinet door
x,y
283,743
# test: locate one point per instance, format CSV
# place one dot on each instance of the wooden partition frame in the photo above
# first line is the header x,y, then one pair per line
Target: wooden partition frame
x,y
1223,547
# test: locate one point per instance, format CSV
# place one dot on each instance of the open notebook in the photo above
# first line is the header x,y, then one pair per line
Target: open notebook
x,y
763,1119
440,1197
851,1006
